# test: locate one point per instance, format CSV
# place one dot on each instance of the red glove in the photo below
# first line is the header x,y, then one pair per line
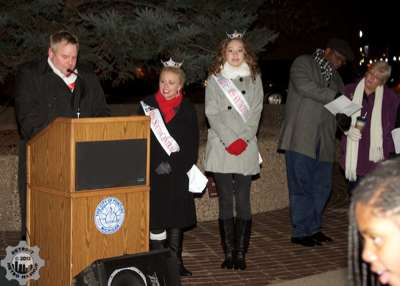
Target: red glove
x,y
237,147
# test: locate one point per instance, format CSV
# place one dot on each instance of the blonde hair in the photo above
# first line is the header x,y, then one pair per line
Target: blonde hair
x,y
177,71
381,69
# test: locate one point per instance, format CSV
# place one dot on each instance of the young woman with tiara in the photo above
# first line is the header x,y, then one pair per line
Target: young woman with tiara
x,y
174,147
233,105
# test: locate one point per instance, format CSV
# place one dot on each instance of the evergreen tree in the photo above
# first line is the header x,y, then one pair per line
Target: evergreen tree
x,y
126,39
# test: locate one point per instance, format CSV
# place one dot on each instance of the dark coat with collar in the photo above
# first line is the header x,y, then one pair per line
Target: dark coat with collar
x,y
41,96
171,203
308,127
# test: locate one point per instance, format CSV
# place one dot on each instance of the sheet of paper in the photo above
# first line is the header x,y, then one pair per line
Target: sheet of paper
x,y
342,105
396,139
197,181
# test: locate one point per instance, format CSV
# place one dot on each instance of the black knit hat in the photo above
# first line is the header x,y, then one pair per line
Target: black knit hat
x,y
342,47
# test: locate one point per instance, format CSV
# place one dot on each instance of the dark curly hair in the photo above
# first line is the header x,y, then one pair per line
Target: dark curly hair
x,y
380,190
249,57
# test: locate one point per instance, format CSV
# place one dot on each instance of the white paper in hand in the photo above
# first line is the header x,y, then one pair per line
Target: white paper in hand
x,y
342,105
197,181
396,139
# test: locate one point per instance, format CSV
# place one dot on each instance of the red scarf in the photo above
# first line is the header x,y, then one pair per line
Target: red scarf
x,y
168,107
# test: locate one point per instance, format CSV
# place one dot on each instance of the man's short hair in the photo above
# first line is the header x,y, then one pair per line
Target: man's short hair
x,y
63,36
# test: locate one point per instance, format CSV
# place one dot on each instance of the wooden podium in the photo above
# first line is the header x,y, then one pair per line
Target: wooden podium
x,y
73,166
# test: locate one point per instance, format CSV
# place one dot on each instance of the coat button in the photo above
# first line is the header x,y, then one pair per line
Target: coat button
x,y
229,107
240,79
243,92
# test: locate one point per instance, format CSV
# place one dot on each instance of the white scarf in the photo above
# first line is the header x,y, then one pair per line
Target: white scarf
x,y
69,80
376,138
230,72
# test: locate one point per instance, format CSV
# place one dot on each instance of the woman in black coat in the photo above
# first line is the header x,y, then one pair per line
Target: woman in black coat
x,y
172,206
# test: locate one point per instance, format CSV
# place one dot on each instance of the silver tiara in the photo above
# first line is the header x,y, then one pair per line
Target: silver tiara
x,y
235,35
171,63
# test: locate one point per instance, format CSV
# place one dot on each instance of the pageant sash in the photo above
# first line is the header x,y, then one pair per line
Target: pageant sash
x,y
234,96
159,129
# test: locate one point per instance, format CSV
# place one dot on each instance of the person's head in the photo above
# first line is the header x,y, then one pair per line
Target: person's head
x,y
234,52
377,74
171,82
375,215
337,52
63,51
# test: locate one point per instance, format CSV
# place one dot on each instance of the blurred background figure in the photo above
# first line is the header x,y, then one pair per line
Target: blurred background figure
x,y
374,229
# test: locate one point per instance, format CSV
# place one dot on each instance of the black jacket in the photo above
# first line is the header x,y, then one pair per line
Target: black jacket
x,y
41,96
171,203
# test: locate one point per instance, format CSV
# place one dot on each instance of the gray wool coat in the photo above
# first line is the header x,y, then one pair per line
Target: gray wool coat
x,y
226,126
307,123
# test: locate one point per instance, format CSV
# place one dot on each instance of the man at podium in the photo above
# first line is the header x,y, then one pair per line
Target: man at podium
x,y
47,88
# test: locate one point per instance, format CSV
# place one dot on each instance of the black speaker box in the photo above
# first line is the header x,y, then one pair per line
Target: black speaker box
x,y
154,268
107,164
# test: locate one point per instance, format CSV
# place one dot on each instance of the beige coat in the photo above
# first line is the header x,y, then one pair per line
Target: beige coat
x,y
226,126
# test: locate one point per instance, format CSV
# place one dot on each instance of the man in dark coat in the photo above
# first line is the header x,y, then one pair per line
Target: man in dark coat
x,y
49,88
308,137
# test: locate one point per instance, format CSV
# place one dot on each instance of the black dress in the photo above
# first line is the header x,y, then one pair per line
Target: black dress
x,y
171,204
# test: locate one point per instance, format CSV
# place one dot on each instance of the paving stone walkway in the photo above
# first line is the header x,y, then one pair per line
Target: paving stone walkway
x,y
271,258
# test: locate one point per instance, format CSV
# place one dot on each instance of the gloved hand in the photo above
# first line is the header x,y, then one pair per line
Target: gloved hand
x,y
343,121
354,134
163,169
237,147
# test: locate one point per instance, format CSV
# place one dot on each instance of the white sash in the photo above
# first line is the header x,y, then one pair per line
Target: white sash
x,y
234,96
159,129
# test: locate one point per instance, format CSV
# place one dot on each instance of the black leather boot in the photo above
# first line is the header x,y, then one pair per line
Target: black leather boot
x,y
174,242
227,232
243,231
157,244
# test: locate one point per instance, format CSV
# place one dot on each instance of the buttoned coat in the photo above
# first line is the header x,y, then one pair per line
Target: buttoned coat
x,y
171,203
226,126
308,125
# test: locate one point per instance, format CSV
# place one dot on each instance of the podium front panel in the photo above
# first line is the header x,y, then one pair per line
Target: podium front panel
x,y
108,164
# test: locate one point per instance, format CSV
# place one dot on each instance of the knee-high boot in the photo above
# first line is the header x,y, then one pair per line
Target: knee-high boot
x,y
174,242
157,244
227,232
243,231
157,239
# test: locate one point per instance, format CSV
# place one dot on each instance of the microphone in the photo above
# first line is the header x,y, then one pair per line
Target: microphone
x,y
73,72
78,112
